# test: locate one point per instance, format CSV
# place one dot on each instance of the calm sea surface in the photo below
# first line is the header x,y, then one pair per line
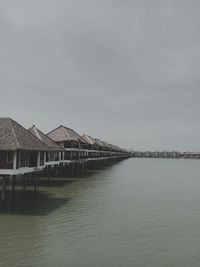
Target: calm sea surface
x,y
139,212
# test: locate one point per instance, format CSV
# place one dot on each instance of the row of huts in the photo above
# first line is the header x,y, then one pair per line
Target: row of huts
x,y
29,150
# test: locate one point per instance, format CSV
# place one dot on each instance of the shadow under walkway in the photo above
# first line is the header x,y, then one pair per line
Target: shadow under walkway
x,y
30,203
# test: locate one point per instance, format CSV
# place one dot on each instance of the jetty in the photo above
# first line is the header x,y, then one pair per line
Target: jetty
x,y
28,154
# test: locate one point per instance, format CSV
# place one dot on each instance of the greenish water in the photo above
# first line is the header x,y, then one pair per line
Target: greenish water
x,y
140,212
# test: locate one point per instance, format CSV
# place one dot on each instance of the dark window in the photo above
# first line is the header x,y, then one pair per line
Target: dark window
x,y
41,158
51,156
24,159
10,157
56,156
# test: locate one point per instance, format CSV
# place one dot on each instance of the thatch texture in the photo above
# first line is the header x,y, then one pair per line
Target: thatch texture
x,y
62,134
99,143
13,136
106,145
90,140
45,139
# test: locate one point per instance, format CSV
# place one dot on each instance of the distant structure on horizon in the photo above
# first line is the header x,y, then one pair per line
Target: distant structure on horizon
x,y
165,154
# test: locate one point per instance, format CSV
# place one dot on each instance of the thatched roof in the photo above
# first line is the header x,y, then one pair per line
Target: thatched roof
x,y
108,146
90,140
45,139
63,133
13,136
113,147
99,142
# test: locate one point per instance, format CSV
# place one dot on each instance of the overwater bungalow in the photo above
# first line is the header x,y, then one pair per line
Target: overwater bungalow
x,y
175,154
20,151
93,148
90,141
101,147
55,155
120,151
75,146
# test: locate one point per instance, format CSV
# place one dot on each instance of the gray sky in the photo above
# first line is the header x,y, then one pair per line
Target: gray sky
x,y
127,71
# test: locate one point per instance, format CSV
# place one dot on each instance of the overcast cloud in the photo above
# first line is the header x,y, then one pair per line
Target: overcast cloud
x,y
126,71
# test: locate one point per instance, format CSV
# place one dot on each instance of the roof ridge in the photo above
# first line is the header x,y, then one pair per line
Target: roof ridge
x,y
48,138
85,137
89,138
37,133
29,133
64,129
78,135
54,129
11,121
60,126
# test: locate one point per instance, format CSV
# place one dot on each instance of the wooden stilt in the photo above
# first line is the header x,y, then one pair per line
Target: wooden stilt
x,y
3,192
24,182
48,174
13,183
35,181
35,187
72,169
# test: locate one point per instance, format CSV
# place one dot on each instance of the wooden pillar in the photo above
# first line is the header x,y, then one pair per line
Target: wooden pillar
x,y
45,157
83,167
48,173
38,159
14,160
60,156
35,181
79,151
24,181
13,183
3,192
72,168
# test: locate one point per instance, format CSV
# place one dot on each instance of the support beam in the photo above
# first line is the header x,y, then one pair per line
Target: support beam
x,y
13,183
24,182
35,181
